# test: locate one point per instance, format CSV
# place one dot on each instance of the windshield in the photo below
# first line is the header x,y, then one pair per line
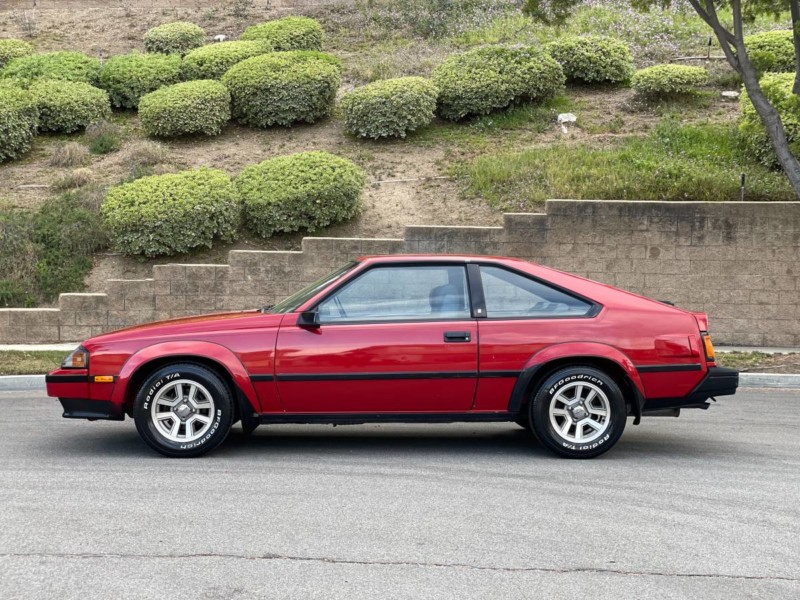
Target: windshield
x,y
298,298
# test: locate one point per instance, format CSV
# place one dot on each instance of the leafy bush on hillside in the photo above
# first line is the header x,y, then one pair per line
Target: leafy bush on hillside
x,y
174,38
300,191
128,77
212,61
668,79
391,107
11,49
777,87
593,59
66,66
66,106
173,213
187,108
485,79
19,118
47,252
771,51
288,33
282,88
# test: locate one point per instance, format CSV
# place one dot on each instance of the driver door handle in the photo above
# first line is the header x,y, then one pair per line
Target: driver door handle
x,y
456,336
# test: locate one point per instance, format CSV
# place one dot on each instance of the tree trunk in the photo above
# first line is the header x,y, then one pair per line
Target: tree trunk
x,y
770,117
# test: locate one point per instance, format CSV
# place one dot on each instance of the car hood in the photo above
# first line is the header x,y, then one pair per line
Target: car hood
x,y
184,327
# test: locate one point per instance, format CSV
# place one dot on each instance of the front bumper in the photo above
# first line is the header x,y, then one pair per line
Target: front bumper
x,y
719,381
80,408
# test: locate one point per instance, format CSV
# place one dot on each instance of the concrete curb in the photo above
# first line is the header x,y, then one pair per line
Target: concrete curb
x,y
19,383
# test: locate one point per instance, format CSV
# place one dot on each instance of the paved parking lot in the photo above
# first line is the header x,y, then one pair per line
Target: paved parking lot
x,y
705,506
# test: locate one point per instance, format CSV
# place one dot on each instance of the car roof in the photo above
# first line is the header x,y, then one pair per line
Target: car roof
x,y
465,258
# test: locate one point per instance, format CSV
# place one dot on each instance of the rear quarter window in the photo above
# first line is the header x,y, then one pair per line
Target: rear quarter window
x,y
513,295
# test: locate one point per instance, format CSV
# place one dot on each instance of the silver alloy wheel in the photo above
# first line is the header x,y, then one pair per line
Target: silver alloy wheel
x,y
182,411
580,412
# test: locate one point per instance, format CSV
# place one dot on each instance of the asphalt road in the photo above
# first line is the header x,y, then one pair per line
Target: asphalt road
x,y
704,506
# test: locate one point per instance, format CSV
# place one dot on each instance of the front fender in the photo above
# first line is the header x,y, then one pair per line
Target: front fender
x,y
574,350
187,348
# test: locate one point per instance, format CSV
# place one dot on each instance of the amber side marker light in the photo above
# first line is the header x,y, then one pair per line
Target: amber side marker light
x,y
104,379
708,346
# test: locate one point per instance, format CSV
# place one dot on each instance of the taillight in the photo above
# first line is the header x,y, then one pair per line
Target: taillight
x,y
708,345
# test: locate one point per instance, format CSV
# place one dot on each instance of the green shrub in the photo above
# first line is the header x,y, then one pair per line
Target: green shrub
x,y
282,88
485,79
288,33
11,49
593,59
211,62
777,87
300,191
66,106
771,51
103,137
173,213
49,251
66,66
391,107
668,79
174,38
187,108
19,118
128,77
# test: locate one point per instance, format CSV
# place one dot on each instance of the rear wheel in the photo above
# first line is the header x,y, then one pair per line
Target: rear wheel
x,y
183,410
578,412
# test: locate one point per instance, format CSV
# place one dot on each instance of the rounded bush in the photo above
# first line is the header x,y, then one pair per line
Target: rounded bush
x,y
11,49
211,62
777,87
668,79
19,118
300,191
288,33
391,107
66,106
65,66
771,51
193,107
174,213
174,38
128,77
593,59
282,88
485,79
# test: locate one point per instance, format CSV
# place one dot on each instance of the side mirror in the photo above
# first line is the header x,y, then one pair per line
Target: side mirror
x,y
308,318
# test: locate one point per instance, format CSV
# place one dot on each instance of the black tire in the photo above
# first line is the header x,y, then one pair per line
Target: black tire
x,y
568,379
220,412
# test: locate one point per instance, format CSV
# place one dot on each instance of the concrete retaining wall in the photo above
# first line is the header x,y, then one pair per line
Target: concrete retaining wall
x,y
740,262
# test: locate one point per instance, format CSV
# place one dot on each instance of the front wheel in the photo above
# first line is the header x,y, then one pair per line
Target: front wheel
x,y
183,410
578,412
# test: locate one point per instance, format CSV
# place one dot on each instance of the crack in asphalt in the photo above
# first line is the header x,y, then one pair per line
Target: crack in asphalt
x,y
400,563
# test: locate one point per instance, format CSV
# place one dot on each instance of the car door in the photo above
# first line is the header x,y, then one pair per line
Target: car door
x,y
394,338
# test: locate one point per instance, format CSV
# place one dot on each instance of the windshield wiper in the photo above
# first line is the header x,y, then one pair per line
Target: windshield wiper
x,y
266,309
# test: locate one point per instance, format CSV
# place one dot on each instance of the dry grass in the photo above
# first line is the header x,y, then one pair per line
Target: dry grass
x,y
71,154
76,179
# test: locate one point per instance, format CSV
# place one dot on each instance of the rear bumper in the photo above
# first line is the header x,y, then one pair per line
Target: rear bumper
x,y
719,381
80,408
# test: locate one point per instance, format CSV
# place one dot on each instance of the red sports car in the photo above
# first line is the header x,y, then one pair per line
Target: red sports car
x,y
406,339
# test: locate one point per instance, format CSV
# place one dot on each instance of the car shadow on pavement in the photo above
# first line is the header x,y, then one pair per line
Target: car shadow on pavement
x,y
315,441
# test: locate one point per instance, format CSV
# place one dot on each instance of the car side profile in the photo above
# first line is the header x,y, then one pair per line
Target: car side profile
x,y
409,339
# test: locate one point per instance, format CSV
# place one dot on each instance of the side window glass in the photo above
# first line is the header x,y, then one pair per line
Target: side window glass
x,y
510,294
400,293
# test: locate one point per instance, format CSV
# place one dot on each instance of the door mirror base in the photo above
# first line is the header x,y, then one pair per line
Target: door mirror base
x,y
309,319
